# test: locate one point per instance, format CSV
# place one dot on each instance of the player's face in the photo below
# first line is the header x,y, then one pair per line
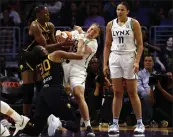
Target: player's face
x,y
44,14
93,31
122,11
170,42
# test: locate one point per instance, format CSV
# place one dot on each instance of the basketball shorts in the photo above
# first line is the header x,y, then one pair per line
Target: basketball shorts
x,y
121,65
23,65
74,75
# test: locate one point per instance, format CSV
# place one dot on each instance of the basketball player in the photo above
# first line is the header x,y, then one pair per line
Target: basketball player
x,y
75,71
52,98
120,48
41,32
20,121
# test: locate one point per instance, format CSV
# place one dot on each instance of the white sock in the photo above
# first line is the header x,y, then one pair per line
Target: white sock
x,y
16,116
115,120
87,123
139,121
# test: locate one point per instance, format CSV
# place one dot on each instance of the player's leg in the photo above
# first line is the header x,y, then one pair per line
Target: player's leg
x,y
131,85
116,75
27,76
77,82
20,121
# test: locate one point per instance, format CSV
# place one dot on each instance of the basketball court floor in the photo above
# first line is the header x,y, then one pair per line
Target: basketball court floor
x,y
124,132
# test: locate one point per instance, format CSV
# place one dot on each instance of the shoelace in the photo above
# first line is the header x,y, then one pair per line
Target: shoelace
x,y
140,126
114,125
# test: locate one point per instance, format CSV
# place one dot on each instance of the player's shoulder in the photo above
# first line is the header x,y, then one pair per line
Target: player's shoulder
x,y
34,24
93,43
51,25
134,21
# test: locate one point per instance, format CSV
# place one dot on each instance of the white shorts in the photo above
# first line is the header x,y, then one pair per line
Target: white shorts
x,y
74,75
121,65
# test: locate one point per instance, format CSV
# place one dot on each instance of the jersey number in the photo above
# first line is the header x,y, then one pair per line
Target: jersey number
x,y
74,49
44,66
121,40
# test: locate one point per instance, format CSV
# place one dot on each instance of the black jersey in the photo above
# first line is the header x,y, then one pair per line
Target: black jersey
x,y
30,41
51,72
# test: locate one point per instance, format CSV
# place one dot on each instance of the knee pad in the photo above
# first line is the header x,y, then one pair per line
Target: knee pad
x,y
4,107
28,93
39,85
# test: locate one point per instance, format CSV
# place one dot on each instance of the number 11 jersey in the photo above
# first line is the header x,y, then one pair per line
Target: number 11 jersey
x,y
123,41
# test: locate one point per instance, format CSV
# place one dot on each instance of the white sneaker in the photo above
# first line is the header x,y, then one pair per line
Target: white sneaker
x,y
6,124
53,124
140,129
4,131
21,125
113,129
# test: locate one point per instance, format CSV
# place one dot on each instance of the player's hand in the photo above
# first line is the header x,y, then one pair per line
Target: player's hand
x,y
105,71
78,28
59,38
135,67
67,42
107,82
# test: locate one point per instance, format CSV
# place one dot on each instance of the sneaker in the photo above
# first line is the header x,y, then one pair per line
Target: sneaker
x,y
5,123
4,132
21,125
90,132
53,124
140,128
113,129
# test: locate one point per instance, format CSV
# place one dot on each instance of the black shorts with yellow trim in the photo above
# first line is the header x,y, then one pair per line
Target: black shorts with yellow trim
x,y
24,66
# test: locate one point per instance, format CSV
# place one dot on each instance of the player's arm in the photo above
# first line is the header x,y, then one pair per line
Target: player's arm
x,y
90,46
107,43
79,29
56,56
52,30
138,38
37,33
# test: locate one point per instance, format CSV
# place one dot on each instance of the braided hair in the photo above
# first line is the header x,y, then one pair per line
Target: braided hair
x,y
32,13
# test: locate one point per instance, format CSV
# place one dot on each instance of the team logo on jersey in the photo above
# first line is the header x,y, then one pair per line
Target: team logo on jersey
x,y
121,33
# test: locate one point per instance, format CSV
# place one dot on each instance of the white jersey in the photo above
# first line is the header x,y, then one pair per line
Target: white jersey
x,y
123,40
92,43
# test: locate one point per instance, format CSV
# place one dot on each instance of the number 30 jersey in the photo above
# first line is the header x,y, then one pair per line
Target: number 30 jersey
x,y
123,40
51,72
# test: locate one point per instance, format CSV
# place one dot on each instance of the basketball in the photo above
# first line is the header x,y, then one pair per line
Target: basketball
x,y
69,35
62,35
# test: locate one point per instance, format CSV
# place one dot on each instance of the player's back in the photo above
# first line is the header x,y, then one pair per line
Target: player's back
x,y
51,72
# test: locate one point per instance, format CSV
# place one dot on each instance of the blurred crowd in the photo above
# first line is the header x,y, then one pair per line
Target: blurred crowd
x,y
83,12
